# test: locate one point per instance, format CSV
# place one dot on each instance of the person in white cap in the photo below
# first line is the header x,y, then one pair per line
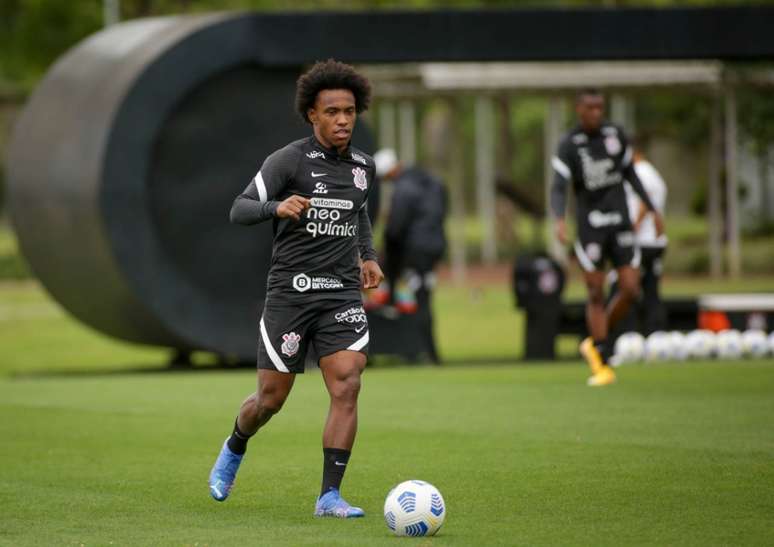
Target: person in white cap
x,y
652,244
414,236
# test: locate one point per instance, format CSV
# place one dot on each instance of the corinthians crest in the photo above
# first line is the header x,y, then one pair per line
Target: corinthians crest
x,y
360,178
290,343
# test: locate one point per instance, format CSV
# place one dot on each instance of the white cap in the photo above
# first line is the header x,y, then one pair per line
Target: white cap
x,y
385,159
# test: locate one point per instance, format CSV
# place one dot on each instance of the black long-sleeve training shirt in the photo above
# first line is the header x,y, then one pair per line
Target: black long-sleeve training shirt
x,y
596,164
319,253
415,226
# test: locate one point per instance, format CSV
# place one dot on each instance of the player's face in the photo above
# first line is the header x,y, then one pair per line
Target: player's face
x,y
590,110
333,117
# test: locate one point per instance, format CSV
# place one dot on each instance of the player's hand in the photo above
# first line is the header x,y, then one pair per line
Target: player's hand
x,y
370,274
561,231
658,220
292,207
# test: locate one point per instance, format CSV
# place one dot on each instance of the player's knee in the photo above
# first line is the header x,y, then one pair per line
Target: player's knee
x,y
630,289
347,388
632,292
271,399
596,295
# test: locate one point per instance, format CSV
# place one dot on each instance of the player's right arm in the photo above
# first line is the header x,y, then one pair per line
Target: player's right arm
x,y
259,202
562,179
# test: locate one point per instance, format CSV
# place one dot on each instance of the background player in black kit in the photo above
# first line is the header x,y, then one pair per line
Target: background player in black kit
x,y
315,191
596,159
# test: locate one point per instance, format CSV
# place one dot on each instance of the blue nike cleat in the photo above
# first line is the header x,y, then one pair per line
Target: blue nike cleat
x,y
224,472
331,504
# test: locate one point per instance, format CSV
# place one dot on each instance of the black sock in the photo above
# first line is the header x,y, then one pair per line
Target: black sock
x,y
334,464
604,350
237,442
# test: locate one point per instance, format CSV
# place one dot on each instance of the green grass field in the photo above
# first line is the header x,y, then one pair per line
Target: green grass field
x,y
674,454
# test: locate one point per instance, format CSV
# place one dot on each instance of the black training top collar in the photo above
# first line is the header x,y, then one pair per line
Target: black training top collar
x,y
333,151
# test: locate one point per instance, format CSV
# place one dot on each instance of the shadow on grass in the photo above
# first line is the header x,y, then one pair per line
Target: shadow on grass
x,y
381,362
128,369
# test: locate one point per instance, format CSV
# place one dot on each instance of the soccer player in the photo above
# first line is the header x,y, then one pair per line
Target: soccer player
x,y
314,190
596,159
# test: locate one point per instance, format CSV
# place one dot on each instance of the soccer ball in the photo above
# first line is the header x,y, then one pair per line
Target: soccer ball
x,y
771,342
658,346
729,344
700,343
629,348
754,343
414,508
678,347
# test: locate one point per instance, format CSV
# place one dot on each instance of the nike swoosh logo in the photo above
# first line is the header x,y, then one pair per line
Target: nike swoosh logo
x,y
360,329
315,175
340,464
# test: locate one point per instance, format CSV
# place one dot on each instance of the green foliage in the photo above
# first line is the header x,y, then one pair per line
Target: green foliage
x,y
756,112
12,263
33,33
684,117
13,266
526,123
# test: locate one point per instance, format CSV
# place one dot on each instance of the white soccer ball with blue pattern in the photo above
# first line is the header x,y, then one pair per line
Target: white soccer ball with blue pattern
x,y
729,344
629,348
678,345
755,343
414,508
658,346
701,344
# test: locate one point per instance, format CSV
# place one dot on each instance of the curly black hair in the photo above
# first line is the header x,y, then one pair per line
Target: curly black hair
x,y
588,92
331,74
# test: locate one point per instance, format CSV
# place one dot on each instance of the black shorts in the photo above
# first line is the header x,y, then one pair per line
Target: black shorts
x,y
287,328
597,244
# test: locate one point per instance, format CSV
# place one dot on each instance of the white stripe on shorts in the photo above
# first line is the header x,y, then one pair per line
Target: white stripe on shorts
x,y
275,358
583,258
637,258
360,344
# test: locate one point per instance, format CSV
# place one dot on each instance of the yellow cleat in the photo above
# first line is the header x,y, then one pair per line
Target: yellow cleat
x,y
604,377
590,353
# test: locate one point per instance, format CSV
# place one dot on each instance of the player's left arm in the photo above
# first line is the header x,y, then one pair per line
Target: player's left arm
x,y
642,212
370,272
631,176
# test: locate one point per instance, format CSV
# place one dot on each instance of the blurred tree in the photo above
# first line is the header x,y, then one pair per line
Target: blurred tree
x,y
33,33
756,112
